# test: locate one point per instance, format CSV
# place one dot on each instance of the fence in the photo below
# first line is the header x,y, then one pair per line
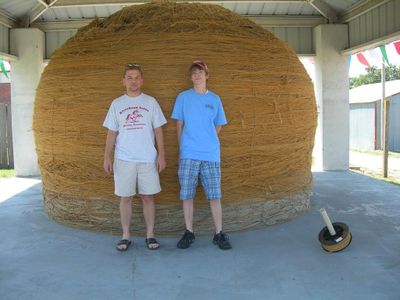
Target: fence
x,y
6,146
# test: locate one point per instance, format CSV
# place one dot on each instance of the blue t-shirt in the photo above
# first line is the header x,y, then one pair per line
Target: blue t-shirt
x,y
200,114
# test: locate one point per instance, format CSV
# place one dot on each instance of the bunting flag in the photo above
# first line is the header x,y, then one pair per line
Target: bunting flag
x,y
397,46
374,57
384,54
3,68
363,60
349,58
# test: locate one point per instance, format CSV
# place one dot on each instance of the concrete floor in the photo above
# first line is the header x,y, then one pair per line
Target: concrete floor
x,y
40,259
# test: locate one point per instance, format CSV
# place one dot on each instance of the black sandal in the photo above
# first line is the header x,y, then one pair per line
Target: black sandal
x,y
125,242
152,241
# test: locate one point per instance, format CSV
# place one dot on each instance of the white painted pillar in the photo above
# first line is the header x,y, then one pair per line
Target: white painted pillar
x,y
28,44
332,93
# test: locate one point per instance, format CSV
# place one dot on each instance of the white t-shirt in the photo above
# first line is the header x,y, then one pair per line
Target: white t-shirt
x,y
135,119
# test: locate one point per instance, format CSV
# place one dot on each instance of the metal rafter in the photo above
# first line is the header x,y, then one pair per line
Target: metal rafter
x,y
324,9
76,3
264,21
37,11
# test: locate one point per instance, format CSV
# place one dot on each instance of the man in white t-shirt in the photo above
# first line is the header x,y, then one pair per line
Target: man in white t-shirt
x,y
134,123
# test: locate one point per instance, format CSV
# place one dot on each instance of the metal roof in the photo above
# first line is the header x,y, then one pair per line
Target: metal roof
x,y
25,13
373,92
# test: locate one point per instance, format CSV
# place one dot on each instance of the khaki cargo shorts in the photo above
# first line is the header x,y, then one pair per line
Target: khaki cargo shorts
x,y
129,176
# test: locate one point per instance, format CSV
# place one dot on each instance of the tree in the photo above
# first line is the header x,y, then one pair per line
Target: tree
x,y
374,76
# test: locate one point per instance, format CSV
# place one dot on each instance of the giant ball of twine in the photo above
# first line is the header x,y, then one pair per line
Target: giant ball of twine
x,y
267,95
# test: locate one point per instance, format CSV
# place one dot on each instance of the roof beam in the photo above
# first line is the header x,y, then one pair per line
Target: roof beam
x,y
264,21
372,44
7,20
68,3
324,9
61,25
358,10
287,21
37,11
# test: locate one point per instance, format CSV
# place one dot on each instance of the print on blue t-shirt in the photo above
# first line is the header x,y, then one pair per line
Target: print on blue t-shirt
x,y
200,114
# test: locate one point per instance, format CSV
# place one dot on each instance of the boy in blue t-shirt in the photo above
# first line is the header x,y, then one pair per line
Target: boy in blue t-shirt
x,y
199,117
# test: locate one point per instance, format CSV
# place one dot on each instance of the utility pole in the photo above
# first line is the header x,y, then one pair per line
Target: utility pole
x,y
384,124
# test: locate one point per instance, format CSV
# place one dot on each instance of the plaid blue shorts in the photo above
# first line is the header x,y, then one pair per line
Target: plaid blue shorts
x,y
209,172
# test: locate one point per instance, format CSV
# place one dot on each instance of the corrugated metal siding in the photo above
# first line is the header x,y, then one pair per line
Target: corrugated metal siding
x,y
394,124
17,8
297,9
379,22
4,39
341,5
362,126
300,39
80,12
55,39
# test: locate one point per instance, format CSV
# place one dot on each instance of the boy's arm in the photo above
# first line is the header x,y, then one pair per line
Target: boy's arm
x,y
110,142
179,127
161,164
218,128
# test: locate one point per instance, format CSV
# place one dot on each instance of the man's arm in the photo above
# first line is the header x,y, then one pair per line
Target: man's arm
x,y
110,142
179,127
218,128
161,164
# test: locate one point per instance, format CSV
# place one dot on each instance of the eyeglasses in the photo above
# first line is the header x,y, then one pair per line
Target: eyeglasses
x,y
132,66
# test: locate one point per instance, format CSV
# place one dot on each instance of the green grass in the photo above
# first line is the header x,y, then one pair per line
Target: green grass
x,y
376,176
5,173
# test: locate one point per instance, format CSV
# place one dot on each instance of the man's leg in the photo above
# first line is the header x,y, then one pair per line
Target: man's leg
x,y
149,185
149,213
125,209
216,211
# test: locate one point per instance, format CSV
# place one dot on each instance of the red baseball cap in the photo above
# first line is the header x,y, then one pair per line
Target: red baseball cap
x,y
200,64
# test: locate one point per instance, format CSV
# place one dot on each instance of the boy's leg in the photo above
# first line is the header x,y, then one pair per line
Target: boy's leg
x,y
220,238
216,211
188,236
188,214
188,174
210,175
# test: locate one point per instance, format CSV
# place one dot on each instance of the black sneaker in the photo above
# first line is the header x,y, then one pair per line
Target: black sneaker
x,y
222,240
186,240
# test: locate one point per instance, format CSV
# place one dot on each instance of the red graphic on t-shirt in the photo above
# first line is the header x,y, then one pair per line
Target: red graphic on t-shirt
x,y
133,117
